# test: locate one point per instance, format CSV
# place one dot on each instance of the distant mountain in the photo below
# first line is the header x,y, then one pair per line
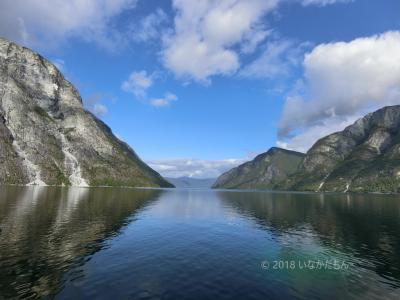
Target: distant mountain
x,y
264,172
189,182
46,137
365,157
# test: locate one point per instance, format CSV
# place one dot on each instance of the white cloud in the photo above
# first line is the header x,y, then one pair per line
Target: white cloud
x,y
48,22
150,27
343,81
165,101
323,2
305,139
252,39
193,167
209,28
209,36
138,83
276,61
94,103
207,32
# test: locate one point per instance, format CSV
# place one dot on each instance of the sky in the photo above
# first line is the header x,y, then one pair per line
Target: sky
x,y
197,87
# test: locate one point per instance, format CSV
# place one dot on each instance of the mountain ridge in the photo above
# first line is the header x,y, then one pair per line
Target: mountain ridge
x,y
46,136
364,157
263,172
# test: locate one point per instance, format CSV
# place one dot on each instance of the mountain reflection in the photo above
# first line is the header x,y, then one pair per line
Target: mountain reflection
x,y
46,230
362,226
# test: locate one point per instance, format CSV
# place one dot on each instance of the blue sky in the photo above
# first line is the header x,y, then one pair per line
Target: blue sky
x,y
196,87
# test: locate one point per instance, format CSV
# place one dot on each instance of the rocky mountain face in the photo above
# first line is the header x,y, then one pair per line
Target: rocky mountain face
x,y
365,157
264,172
47,138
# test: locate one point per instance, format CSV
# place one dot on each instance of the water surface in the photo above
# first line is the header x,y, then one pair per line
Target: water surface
x,y
101,243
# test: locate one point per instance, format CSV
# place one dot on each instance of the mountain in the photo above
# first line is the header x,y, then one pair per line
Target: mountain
x,y
264,172
364,157
46,137
192,183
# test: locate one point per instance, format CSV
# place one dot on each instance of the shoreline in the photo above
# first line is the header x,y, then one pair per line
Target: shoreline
x,y
205,189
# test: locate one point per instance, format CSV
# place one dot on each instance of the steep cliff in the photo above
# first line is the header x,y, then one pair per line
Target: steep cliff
x,y
46,137
264,172
365,157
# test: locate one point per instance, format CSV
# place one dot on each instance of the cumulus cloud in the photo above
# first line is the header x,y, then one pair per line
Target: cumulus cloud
x,y
343,81
323,2
305,139
45,22
164,101
150,27
208,28
253,38
138,83
206,33
210,36
196,168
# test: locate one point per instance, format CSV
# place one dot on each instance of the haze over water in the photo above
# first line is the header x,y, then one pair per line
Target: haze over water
x,y
85,243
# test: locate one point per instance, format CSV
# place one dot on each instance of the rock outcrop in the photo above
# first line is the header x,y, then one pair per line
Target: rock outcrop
x,y
264,172
365,157
47,138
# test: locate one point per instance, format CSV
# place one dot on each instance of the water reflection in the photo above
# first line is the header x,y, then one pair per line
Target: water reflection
x,y
45,231
191,205
73,243
364,228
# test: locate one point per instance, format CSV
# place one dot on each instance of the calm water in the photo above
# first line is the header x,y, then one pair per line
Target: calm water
x,y
102,243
